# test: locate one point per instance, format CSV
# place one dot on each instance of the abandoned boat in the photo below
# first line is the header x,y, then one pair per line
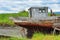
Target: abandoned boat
x,y
38,16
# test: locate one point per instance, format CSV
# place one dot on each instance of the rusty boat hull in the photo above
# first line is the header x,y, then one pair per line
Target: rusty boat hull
x,y
29,24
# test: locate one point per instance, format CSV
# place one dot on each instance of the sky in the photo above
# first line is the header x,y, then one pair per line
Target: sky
x,y
14,6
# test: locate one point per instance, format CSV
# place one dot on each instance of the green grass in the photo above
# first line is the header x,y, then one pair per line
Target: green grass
x,y
41,36
13,38
36,36
4,18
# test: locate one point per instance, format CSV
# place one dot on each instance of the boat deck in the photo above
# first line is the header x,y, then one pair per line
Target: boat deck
x,y
31,22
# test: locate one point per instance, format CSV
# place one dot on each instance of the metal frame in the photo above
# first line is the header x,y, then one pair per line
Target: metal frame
x,y
56,25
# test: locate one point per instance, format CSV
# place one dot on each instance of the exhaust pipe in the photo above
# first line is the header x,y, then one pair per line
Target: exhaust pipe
x,y
52,14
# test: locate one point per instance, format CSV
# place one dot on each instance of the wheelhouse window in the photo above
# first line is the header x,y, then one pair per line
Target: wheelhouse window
x,y
41,10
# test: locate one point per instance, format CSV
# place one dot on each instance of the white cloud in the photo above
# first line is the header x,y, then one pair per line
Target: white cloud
x,y
18,5
2,11
54,7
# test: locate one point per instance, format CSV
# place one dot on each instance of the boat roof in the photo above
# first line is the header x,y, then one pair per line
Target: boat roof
x,y
38,7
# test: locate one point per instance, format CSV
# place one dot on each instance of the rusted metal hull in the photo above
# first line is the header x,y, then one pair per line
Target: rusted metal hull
x,y
29,24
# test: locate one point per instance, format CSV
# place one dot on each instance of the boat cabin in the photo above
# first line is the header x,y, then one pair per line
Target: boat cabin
x,y
38,12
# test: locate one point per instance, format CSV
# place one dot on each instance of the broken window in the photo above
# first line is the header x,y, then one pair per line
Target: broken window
x,y
41,10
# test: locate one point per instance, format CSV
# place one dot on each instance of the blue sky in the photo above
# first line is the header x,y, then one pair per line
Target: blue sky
x,y
12,6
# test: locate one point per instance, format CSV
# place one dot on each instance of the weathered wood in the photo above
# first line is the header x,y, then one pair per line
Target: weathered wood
x,y
13,31
56,25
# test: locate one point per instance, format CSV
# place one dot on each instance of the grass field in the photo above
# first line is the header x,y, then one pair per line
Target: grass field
x,y
36,36
4,18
